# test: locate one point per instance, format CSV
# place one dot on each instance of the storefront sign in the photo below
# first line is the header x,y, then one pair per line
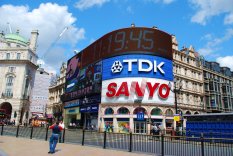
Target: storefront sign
x,y
70,104
89,109
72,110
90,100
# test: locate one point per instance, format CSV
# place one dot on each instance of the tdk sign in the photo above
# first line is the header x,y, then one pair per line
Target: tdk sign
x,y
143,65
138,65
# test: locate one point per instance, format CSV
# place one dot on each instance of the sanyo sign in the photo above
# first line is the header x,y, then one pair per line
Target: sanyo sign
x,y
143,65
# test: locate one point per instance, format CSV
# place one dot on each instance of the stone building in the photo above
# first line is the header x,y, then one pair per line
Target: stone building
x,y
18,65
56,89
218,85
40,93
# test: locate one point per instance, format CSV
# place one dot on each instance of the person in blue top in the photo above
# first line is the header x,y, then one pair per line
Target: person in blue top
x,y
56,130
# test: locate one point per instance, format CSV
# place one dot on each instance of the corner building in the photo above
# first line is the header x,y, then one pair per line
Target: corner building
x,y
122,82
18,65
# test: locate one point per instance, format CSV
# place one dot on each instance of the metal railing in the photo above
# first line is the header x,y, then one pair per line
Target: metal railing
x,y
150,144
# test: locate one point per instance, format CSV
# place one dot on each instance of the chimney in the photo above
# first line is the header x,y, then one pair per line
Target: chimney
x,y
33,40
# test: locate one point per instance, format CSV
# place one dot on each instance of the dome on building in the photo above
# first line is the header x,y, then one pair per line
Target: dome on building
x,y
16,38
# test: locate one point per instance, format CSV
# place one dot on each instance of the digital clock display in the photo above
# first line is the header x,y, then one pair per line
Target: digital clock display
x,y
129,40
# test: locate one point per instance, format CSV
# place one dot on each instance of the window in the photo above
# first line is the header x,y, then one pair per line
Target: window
x,y
11,69
30,57
9,85
18,56
156,111
9,81
7,55
123,110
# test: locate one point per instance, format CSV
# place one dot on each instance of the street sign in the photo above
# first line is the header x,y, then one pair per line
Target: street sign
x,y
140,116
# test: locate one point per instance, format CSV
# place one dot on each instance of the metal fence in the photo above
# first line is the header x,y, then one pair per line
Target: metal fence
x,y
160,144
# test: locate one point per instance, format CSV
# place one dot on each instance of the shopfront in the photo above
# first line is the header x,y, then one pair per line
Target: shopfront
x,y
90,116
72,114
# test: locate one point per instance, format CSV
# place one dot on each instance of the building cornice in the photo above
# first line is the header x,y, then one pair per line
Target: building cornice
x,y
14,61
187,65
221,75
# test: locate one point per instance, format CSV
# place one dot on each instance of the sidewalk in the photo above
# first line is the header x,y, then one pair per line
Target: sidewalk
x,y
12,146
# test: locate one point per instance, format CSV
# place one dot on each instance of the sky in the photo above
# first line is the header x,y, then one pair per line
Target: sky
x,y
72,25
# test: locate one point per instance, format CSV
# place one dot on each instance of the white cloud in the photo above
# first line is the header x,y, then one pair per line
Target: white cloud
x,y
129,10
85,4
161,1
206,9
50,19
213,44
226,61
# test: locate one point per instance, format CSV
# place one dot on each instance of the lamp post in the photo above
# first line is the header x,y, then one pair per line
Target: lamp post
x,y
176,90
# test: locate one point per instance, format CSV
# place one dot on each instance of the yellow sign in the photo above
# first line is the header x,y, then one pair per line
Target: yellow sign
x,y
176,118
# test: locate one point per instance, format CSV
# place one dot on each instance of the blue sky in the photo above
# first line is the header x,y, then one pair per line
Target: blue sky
x,y
205,24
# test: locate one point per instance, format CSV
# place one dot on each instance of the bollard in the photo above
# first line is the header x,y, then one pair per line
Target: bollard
x,y
2,129
46,135
130,141
162,145
17,131
31,133
63,136
105,135
83,137
202,145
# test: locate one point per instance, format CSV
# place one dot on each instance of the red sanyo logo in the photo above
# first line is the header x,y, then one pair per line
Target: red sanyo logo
x,y
125,89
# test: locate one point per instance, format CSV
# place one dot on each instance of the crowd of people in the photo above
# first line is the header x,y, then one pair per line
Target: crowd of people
x,y
7,121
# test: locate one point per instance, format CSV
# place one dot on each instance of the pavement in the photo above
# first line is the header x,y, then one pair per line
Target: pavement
x,y
12,146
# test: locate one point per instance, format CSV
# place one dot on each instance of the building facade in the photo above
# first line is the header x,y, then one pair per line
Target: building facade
x,y
40,93
55,106
18,65
131,80
122,85
218,85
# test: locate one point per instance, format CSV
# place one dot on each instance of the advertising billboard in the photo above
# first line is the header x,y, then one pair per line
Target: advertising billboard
x,y
85,81
137,65
136,40
137,79
137,90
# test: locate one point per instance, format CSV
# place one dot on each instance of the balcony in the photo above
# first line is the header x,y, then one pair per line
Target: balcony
x,y
7,95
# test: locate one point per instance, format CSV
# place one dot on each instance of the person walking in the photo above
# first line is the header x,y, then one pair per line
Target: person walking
x,y
56,130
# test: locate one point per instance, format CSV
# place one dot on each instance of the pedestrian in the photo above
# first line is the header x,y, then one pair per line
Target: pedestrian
x,y
56,130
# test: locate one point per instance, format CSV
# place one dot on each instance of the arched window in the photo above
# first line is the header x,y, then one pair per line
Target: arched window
x,y
169,112
139,109
188,112
196,113
109,111
180,112
123,110
156,111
